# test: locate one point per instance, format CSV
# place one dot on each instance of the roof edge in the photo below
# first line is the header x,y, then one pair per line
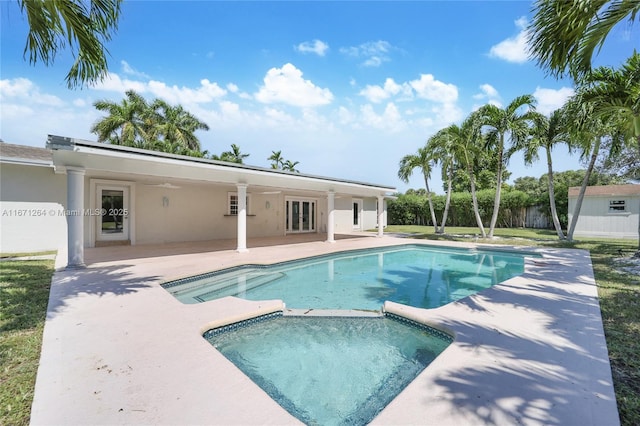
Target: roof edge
x,y
56,142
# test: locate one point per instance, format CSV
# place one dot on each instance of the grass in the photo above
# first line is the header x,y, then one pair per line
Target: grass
x,y
24,291
13,255
24,294
619,295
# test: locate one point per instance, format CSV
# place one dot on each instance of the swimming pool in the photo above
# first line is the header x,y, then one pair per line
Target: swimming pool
x,y
330,370
414,275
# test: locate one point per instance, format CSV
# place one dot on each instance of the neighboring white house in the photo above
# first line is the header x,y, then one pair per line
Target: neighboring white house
x,y
76,194
610,211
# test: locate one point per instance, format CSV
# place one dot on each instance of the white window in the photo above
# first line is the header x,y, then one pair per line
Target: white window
x,y
617,206
233,203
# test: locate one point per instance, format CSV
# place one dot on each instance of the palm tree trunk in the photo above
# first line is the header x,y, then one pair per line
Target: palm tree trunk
x,y
552,197
496,201
474,199
433,213
583,188
448,202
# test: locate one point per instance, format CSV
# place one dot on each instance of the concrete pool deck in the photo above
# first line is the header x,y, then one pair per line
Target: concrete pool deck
x,y
119,349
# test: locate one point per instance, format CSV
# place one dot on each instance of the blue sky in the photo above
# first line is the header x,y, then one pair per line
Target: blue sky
x,y
345,88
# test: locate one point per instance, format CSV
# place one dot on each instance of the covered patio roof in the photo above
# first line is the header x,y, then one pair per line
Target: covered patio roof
x,y
98,159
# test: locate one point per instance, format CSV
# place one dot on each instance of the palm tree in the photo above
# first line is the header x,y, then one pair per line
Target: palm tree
x,y
127,122
233,156
442,146
513,123
615,95
465,147
290,166
177,126
607,104
548,131
423,160
276,160
590,140
564,35
84,26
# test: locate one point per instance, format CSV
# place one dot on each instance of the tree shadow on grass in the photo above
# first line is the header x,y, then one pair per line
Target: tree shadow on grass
x,y
24,292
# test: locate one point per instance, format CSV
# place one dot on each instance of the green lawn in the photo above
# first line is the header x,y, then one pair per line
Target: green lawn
x,y
24,293
24,290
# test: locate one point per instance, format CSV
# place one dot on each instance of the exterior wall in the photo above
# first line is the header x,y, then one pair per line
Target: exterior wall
x,y
369,214
200,212
193,212
596,220
323,216
41,195
343,215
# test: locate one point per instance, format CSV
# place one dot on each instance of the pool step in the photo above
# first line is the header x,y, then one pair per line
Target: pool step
x,y
223,286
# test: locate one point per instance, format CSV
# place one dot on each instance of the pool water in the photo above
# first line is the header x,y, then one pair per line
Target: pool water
x,y
415,275
331,370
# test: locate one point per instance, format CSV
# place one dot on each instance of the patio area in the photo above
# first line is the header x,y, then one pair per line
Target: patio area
x,y
119,349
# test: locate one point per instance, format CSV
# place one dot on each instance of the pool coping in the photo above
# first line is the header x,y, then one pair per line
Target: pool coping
x,y
119,349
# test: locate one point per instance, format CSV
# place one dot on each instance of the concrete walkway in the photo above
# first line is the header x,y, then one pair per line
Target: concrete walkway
x,y
119,349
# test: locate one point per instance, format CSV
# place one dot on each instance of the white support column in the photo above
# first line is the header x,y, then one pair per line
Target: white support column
x,y
331,216
242,217
380,215
75,217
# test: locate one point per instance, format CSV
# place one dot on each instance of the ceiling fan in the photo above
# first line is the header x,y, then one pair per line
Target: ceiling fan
x,y
165,185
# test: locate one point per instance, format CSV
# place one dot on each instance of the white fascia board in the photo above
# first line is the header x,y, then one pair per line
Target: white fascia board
x,y
26,162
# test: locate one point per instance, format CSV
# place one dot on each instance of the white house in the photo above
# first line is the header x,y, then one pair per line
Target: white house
x,y
76,194
609,211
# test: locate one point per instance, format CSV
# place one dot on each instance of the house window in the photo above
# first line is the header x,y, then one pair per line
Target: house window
x,y
233,203
616,206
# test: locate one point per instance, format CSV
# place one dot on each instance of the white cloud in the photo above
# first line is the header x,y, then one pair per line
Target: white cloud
x,y
375,53
24,90
316,46
207,92
377,94
489,95
229,108
390,119
277,117
439,110
233,88
513,49
447,114
345,116
80,103
487,91
286,85
29,114
551,99
128,69
113,83
427,87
